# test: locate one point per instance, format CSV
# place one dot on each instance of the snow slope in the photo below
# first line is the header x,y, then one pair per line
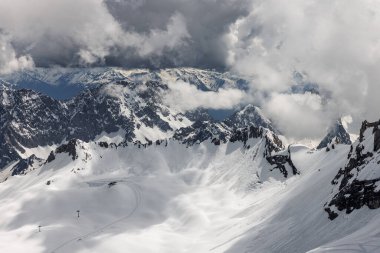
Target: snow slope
x,y
178,198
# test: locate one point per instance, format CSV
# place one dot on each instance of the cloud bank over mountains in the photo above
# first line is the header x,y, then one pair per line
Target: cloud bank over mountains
x,y
332,43
335,44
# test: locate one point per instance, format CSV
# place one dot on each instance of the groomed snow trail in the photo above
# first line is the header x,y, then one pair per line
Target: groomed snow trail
x,y
137,196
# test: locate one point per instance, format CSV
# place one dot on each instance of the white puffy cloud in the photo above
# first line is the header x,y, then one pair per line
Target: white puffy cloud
x,y
298,115
157,40
334,43
81,32
184,96
9,61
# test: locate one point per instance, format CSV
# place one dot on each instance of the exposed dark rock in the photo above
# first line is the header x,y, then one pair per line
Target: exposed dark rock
x,y
281,162
201,131
332,214
366,125
103,144
69,148
376,145
357,194
354,193
113,183
25,165
51,157
198,115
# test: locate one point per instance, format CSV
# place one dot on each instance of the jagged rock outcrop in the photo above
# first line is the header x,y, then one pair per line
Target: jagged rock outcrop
x,y
246,133
357,184
283,162
201,131
26,165
240,126
69,148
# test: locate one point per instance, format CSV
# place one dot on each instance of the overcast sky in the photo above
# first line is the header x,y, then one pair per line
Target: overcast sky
x,y
131,33
334,43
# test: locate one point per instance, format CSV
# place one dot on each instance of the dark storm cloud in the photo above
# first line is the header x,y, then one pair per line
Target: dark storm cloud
x,y
130,33
206,20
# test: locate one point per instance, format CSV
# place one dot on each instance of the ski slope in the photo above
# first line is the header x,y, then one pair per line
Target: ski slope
x,y
174,198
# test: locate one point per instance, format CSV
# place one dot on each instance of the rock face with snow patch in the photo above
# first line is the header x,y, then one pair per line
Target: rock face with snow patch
x,y
29,119
336,134
201,131
273,152
283,162
357,184
240,126
25,165
249,115
69,148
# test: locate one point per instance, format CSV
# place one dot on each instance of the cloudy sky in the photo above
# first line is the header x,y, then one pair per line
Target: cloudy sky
x,y
333,43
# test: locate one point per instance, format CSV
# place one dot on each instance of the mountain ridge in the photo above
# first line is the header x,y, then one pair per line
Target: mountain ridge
x,y
137,168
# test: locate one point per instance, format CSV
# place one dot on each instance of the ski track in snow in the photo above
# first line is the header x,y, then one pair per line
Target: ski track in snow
x,y
137,196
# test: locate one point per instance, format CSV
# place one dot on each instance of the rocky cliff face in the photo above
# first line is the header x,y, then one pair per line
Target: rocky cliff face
x,y
357,184
29,119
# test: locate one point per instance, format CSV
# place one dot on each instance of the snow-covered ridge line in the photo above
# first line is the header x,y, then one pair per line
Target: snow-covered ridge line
x,y
244,137
78,78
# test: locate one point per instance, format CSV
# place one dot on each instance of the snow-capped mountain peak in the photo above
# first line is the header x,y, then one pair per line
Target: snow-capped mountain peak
x,y
337,134
250,115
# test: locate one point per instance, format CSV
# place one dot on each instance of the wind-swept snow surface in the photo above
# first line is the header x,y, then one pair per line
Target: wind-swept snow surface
x,y
174,198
